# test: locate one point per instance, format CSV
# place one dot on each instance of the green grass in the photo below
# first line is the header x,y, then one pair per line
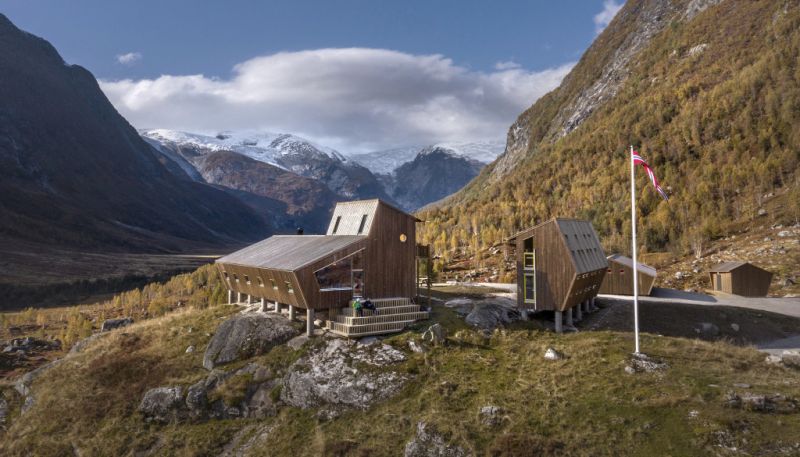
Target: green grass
x,y
584,405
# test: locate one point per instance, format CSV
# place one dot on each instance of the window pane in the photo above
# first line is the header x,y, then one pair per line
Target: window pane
x,y
530,288
363,223
335,275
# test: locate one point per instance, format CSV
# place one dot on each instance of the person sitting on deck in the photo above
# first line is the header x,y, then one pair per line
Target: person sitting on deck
x,y
357,306
370,306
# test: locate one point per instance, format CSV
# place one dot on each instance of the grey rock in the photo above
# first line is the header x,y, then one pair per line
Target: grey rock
x,y
368,340
3,410
28,403
679,275
81,345
334,374
416,347
23,385
297,342
162,404
791,358
491,313
190,349
435,335
246,335
741,385
490,415
552,354
784,233
762,212
642,363
428,443
773,359
111,324
735,327
708,329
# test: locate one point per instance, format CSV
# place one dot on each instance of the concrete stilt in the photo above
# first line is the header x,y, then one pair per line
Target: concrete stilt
x,y
578,313
238,297
249,299
594,305
559,324
570,323
310,322
263,305
291,312
230,296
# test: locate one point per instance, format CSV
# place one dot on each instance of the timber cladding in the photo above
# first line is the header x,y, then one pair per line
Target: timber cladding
x,y
619,277
564,261
282,268
740,278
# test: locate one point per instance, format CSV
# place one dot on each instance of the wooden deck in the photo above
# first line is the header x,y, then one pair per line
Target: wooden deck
x,y
392,315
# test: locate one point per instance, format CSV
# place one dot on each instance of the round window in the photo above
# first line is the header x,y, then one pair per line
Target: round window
x,y
403,237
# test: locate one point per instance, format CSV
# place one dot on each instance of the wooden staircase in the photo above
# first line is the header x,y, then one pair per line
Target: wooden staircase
x,y
391,315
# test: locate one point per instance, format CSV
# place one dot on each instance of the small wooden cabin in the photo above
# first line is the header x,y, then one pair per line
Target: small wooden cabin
x,y
619,277
740,278
369,251
560,266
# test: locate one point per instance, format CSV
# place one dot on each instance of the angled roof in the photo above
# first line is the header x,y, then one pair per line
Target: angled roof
x,y
583,243
351,214
627,261
289,252
726,267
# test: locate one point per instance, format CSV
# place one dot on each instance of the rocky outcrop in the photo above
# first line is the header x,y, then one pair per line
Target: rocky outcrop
x,y
162,404
246,335
428,443
343,374
488,313
111,324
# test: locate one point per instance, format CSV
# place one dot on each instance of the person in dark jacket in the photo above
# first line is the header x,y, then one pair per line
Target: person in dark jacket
x,y
370,306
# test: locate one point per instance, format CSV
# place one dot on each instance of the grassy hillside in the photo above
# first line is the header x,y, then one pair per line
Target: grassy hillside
x,y
584,405
712,102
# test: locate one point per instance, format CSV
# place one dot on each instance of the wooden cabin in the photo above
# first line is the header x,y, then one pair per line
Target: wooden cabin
x,y
369,251
560,266
740,278
619,277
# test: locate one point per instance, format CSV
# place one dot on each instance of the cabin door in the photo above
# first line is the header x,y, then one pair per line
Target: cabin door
x,y
358,283
718,282
529,275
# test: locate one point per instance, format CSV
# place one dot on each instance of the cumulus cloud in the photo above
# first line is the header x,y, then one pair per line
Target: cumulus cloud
x,y
354,99
603,18
129,58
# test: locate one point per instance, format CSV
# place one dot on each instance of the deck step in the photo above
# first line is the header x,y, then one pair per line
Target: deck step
x,y
368,329
381,311
416,315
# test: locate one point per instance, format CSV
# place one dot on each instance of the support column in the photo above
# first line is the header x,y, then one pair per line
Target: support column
x,y
238,297
310,322
277,308
249,299
594,305
291,312
578,313
263,305
570,323
230,296
559,326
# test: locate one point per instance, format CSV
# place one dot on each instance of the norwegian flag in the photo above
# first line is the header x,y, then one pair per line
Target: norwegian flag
x,y
638,160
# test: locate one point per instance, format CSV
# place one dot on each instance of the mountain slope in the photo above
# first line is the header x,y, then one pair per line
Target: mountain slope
x,y
708,92
388,161
75,173
289,152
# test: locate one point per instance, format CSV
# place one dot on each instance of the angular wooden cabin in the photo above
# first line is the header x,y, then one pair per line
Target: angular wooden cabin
x,y
560,266
369,251
740,278
619,277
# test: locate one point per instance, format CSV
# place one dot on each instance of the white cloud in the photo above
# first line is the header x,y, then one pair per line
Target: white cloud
x,y
129,58
603,18
354,99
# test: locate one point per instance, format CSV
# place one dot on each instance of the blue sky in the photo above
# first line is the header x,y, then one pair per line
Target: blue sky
x,y
403,71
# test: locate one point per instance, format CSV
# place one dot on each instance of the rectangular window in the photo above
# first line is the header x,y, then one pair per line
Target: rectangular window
x,y
529,261
530,288
336,224
335,276
363,224
289,287
235,278
260,282
274,285
247,279
226,275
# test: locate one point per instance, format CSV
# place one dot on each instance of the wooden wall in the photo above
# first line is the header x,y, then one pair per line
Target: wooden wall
x,y
254,288
619,280
746,280
558,285
390,264
332,299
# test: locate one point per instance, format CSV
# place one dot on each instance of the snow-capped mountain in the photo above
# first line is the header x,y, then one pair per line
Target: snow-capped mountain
x,y
385,162
292,153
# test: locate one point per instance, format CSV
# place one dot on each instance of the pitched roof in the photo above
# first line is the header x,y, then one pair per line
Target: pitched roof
x,y
583,243
351,213
289,252
726,267
627,261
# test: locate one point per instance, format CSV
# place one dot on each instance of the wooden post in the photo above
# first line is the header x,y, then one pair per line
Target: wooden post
x,y
559,325
310,322
570,323
430,278
291,312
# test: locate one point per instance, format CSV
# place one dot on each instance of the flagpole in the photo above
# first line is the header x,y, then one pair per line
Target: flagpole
x,y
635,269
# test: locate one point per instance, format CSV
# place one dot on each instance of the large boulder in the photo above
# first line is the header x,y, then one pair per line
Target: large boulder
x,y
342,373
246,335
162,404
428,443
111,324
491,313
